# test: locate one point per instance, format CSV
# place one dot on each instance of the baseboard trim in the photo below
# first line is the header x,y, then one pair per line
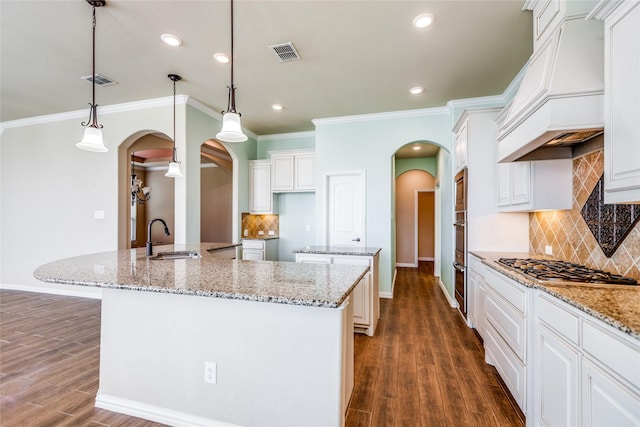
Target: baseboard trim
x,y
86,292
426,258
155,413
452,302
406,264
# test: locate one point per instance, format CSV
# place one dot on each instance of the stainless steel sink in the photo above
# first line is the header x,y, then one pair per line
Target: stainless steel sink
x,y
176,255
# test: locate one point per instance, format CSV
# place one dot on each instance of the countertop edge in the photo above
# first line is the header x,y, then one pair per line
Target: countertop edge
x,y
331,250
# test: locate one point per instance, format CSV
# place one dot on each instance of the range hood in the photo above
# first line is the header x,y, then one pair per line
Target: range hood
x,y
560,101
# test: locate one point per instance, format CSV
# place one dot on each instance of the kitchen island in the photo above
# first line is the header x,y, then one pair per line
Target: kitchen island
x,y
211,341
366,296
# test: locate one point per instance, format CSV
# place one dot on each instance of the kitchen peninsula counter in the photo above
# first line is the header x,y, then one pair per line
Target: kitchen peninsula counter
x,y
213,341
208,276
616,305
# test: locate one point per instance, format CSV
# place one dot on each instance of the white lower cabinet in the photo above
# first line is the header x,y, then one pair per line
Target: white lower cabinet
x,y
365,297
606,401
558,377
260,249
476,289
505,340
586,372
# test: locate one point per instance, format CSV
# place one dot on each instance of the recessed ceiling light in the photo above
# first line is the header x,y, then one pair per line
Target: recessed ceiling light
x,y
416,90
171,40
277,107
423,20
221,57
417,147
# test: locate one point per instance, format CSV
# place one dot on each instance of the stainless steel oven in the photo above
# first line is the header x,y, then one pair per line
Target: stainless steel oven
x,y
460,227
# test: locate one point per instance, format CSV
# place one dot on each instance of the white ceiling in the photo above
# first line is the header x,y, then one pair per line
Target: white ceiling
x,y
357,56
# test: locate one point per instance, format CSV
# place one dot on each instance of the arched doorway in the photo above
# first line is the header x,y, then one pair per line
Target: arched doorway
x,y
415,218
415,203
216,193
149,156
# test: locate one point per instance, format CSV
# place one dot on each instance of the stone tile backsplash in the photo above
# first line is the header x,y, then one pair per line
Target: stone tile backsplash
x,y
567,232
255,223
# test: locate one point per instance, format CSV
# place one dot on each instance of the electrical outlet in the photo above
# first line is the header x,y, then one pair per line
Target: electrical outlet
x,y
548,249
210,374
260,233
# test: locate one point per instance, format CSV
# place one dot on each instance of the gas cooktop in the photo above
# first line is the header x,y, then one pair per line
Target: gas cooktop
x,y
563,271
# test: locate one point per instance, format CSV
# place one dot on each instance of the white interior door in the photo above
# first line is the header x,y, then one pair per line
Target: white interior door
x,y
345,209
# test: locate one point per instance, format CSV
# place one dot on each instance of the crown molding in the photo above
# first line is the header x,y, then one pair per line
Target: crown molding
x,y
104,110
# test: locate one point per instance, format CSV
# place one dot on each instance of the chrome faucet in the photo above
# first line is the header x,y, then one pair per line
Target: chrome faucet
x,y
166,232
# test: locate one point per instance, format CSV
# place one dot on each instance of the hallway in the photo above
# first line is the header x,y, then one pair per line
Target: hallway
x,y
424,367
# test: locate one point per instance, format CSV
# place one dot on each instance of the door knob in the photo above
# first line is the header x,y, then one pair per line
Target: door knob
x,y
357,239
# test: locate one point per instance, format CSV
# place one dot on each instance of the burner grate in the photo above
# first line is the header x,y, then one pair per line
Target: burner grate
x,y
563,271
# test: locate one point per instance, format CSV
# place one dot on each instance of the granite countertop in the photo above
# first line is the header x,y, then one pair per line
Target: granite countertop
x,y
211,247
315,285
260,237
337,250
616,305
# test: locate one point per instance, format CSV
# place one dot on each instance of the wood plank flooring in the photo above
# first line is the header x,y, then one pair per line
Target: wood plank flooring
x,y
424,367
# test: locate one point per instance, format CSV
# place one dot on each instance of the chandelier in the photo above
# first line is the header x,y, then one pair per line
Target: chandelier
x,y
139,193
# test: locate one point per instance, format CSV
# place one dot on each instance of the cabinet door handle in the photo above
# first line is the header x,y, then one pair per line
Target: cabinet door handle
x,y
357,239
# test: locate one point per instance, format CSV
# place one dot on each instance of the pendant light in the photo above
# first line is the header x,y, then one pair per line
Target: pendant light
x,y
92,140
174,165
231,128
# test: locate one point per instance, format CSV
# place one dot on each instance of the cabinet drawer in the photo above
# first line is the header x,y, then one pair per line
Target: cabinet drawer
x,y
507,321
313,259
350,260
253,244
618,355
559,319
510,290
510,368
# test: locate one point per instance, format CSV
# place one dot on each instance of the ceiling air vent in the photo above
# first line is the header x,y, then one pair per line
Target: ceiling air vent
x,y
285,52
100,80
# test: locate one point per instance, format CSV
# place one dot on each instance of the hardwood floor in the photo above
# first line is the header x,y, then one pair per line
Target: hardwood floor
x,y
424,367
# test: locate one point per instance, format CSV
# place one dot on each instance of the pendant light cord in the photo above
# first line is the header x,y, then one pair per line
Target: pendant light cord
x,y
175,160
231,102
93,111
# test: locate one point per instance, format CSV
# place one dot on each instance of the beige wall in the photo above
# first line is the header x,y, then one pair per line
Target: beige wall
x,y
568,234
160,205
216,187
407,185
426,223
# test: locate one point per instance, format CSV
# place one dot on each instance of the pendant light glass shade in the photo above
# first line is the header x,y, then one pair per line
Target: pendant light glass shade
x,y
174,170
92,140
231,128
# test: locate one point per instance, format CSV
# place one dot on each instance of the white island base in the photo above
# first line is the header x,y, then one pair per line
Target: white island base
x,y
277,364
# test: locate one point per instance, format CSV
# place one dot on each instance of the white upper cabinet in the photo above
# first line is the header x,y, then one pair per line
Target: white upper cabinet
x,y
461,145
622,100
535,185
293,171
260,196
